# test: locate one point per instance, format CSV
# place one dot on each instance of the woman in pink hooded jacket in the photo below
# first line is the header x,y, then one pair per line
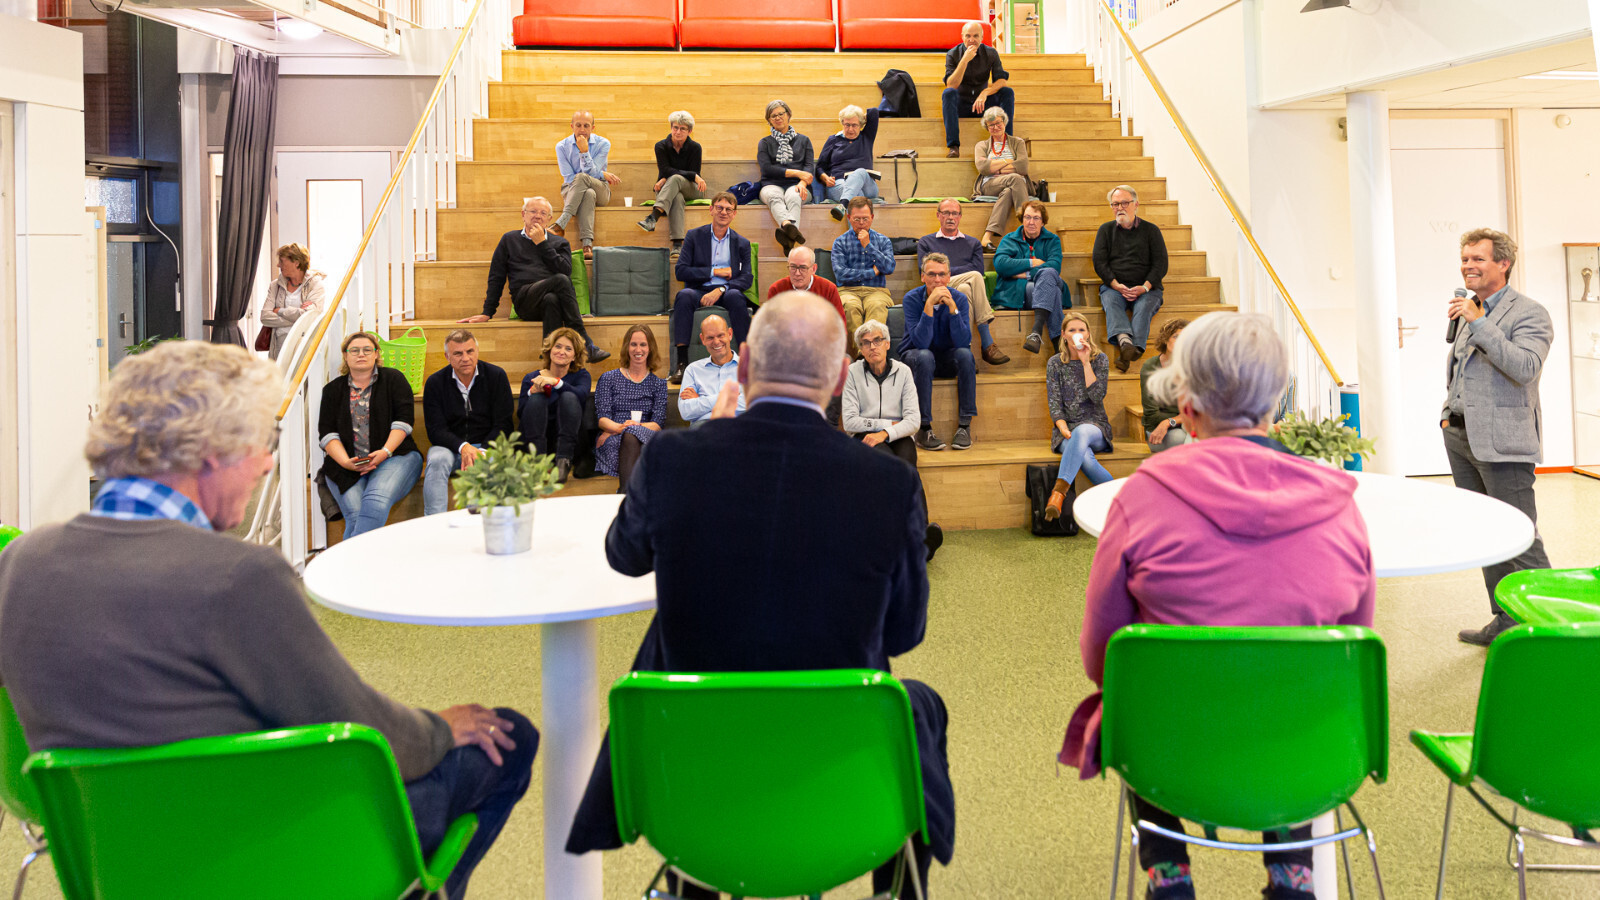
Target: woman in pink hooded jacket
x,y
1229,530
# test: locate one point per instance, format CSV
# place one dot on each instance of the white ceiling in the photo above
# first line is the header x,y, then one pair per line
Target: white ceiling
x,y
1492,84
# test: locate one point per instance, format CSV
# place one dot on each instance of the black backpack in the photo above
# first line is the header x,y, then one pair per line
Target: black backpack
x,y
1041,479
899,96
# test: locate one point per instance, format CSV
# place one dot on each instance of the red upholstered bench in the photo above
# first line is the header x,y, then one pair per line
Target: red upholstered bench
x,y
906,24
763,24
603,23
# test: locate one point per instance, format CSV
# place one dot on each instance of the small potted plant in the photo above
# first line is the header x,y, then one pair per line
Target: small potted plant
x,y
1328,441
503,485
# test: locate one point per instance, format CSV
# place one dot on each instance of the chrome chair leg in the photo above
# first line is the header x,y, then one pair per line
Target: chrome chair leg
x,y
1444,842
1344,851
912,872
1133,852
1116,847
1377,874
1522,869
22,874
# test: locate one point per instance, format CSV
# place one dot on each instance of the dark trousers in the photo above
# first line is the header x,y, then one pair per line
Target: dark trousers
x,y
958,106
688,300
927,365
904,449
465,781
535,419
552,301
1155,849
1511,482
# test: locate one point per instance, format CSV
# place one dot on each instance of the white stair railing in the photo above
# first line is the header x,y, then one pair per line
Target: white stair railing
x,y
1124,74
379,287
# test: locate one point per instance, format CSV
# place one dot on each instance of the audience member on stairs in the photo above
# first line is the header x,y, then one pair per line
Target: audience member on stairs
x,y
938,342
803,277
365,424
968,90
465,405
966,272
862,260
1205,535
844,167
715,270
560,387
538,264
585,182
1075,381
788,166
703,380
1029,265
1162,428
631,403
1002,162
1130,256
678,177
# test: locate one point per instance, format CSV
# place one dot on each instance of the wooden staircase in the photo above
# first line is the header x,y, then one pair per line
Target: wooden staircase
x,y
1076,146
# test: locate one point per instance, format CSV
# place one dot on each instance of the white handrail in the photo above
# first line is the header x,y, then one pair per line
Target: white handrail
x,y
1123,72
379,286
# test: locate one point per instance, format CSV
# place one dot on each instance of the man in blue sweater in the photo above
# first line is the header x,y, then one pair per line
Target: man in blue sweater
x,y
966,272
938,342
844,167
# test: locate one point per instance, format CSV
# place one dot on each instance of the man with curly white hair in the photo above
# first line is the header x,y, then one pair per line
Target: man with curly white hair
x,y
137,624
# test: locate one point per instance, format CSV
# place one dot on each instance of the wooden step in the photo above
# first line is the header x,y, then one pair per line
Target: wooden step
x,y
473,232
454,290
498,183
523,100
1133,420
726,66
985,487
522,139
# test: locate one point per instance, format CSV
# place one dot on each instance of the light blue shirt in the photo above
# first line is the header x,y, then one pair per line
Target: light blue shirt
x,y
721,255
132,498
707,379
573,163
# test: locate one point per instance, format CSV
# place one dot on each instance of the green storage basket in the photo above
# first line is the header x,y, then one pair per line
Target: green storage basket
x,y
407,354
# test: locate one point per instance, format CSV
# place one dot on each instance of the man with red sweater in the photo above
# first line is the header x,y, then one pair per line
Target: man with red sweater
x,y
803,277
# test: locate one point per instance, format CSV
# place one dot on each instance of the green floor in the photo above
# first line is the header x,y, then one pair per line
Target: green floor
x,y
1002,649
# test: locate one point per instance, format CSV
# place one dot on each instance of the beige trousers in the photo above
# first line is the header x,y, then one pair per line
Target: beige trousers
x,y
972,284
579,198
862,303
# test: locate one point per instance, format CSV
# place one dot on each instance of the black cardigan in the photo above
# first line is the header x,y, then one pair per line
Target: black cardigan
x,y
391,402
805,160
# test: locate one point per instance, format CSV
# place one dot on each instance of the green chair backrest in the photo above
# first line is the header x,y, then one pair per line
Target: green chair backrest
x,y
1551,596
17,794
824,263
1535,741
767,784
1245,727
756,289
580,281
316,811
8,533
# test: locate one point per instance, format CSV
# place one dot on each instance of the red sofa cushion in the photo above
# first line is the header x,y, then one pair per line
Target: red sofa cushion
x,y
604,23
907,24
775,24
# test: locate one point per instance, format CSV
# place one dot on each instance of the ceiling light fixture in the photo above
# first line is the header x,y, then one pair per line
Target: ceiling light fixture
x,y
298,29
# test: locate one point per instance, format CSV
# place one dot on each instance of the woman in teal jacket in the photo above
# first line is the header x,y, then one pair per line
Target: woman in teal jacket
x,y
1028,263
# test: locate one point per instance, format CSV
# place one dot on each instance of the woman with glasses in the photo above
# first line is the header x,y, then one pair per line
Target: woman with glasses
x,y
365,428
1002,161
788,167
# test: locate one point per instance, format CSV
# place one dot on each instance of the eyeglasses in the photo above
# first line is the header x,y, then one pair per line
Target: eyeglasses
x,y
723,208
1119,204
361,351
798,269
873,341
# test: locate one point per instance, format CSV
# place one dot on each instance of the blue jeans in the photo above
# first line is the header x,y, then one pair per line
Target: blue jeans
x,y
366,505
928,364
1131,319
958,106
1078,453
857,184
442,463
1046,292
465,781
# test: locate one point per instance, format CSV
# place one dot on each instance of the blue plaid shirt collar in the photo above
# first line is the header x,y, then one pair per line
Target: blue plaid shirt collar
x,y
135,499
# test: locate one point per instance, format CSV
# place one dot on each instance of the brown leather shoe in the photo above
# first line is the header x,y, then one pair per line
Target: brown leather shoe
x,y
993,356
556,230
952,153
1058,499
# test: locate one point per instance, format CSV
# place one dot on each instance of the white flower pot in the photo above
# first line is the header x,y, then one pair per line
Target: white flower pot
x,y
505,532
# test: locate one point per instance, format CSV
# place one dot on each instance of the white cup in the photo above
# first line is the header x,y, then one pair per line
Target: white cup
x,y
637,415
1077,342
627,201
1052,196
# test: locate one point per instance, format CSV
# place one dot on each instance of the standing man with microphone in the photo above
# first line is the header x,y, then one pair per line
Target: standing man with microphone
x,y
1491,422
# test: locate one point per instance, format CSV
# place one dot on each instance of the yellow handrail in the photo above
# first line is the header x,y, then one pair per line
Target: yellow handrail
x,y
383,206
1222,190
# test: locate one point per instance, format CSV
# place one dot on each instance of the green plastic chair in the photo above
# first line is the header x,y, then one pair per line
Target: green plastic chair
x,y
8,533
311,812
1530,744
1551,596
768,784
1182,724
17,795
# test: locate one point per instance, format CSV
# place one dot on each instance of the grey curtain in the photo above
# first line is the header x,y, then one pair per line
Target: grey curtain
x,y
246,186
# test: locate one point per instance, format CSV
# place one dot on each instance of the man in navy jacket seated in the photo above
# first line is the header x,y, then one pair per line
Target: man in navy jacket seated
x,y
938,342
714,267
793,600
465,405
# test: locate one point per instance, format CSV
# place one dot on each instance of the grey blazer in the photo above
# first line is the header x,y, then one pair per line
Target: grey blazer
x,y
1504,358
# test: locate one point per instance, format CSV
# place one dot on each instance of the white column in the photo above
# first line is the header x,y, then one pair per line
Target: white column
x,y
569,742
1378,312
196,179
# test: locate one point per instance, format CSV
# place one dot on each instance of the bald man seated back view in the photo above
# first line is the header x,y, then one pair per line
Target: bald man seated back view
x,y
793,595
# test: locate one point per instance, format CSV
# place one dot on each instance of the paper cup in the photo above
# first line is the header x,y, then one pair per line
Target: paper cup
x,y
1052,196
627,201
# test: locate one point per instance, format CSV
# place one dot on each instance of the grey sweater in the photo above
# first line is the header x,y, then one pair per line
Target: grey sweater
x,y
890,405
130,633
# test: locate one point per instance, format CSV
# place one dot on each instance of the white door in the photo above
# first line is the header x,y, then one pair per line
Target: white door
x,y
1449,178
325,200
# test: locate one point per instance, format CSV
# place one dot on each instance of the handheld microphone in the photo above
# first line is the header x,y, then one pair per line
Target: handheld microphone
x,y
1455,324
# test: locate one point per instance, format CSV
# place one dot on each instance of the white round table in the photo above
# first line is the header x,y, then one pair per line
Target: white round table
x,y
563,584
1415,527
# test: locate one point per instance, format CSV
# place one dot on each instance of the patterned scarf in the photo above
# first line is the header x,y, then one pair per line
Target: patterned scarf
x,y
785,145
